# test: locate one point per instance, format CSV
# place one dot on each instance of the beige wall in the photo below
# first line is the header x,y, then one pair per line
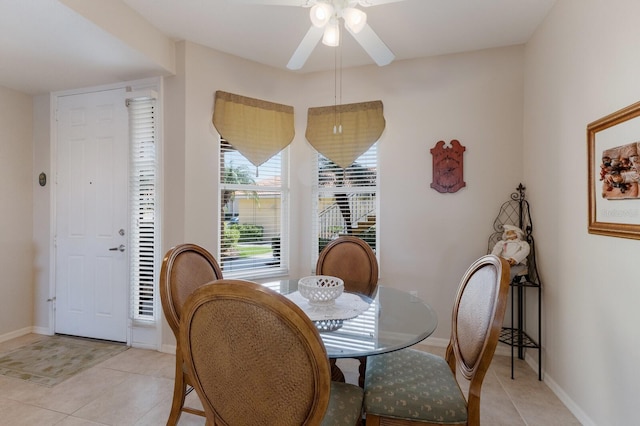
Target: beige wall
x,y
16,227
581,65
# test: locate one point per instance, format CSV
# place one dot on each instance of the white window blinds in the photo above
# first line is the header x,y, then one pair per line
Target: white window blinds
x,y
253,214
345,200
143,204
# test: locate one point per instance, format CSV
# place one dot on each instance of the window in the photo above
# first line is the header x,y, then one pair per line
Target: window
x,y
143,203
345,200
253,214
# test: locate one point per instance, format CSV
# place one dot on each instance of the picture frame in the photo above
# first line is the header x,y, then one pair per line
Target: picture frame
x,y
614,174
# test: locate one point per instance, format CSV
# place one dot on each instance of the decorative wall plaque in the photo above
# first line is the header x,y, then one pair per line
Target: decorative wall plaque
x,y
447,167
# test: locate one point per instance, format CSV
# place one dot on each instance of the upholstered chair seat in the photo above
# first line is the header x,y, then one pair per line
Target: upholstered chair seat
x,y
345,405
412,384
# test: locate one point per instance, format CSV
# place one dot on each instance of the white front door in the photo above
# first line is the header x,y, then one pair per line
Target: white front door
x,y
91,216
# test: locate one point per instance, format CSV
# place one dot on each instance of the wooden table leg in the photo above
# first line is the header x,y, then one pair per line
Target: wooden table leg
x,y
362,369
336,374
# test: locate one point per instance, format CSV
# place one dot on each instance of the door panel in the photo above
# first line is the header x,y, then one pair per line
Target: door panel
x,y
91,210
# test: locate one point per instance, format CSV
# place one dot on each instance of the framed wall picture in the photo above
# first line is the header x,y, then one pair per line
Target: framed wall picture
x,y
614,174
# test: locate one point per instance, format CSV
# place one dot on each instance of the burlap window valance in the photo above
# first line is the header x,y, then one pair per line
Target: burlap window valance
x,y
257,129
362,124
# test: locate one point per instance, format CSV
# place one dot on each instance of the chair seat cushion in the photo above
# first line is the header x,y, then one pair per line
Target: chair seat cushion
x,y
345,405
416,385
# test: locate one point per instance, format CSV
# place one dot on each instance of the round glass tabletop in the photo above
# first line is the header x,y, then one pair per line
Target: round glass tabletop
x,y
394,320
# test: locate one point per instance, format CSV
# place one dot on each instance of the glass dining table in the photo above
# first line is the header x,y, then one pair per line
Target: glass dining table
x,y
394,319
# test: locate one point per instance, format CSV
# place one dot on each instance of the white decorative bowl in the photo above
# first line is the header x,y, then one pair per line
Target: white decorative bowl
x,y
320,289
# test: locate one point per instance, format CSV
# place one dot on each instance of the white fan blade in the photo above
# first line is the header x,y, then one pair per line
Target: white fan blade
x,y
304,3
367,3
374,46
305,48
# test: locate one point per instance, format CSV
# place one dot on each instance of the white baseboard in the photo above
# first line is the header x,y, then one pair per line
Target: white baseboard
x,y
168,349
148,346
41,330
143,335
442,343
568,402
22,332
14,334
433,341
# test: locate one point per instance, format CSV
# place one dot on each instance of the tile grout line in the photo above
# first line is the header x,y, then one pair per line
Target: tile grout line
x,y
515,406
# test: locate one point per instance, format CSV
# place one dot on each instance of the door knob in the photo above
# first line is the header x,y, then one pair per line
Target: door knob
x,y
119,248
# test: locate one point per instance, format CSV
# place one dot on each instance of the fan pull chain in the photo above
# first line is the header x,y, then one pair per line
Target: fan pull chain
x,y
335,90
340,93
337,78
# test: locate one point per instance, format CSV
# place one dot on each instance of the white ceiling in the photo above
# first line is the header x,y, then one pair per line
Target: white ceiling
x,y
45,46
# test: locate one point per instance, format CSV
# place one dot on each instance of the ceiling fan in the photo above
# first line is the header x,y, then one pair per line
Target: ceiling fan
x,y
325,24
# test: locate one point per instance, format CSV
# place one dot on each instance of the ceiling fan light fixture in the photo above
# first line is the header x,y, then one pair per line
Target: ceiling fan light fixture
x,y
331,35
354,19
321,14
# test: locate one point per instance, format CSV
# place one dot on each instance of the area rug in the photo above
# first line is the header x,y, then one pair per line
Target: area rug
x,y
54,359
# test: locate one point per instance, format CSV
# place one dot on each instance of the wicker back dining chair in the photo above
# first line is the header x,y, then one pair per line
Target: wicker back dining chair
x,y
352,260
257,359
411,387
185,267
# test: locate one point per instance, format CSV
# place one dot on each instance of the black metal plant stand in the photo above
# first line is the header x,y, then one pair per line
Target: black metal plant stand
x,y
516,212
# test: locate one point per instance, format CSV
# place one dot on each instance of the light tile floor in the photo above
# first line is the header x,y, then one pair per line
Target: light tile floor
x,y
135,388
